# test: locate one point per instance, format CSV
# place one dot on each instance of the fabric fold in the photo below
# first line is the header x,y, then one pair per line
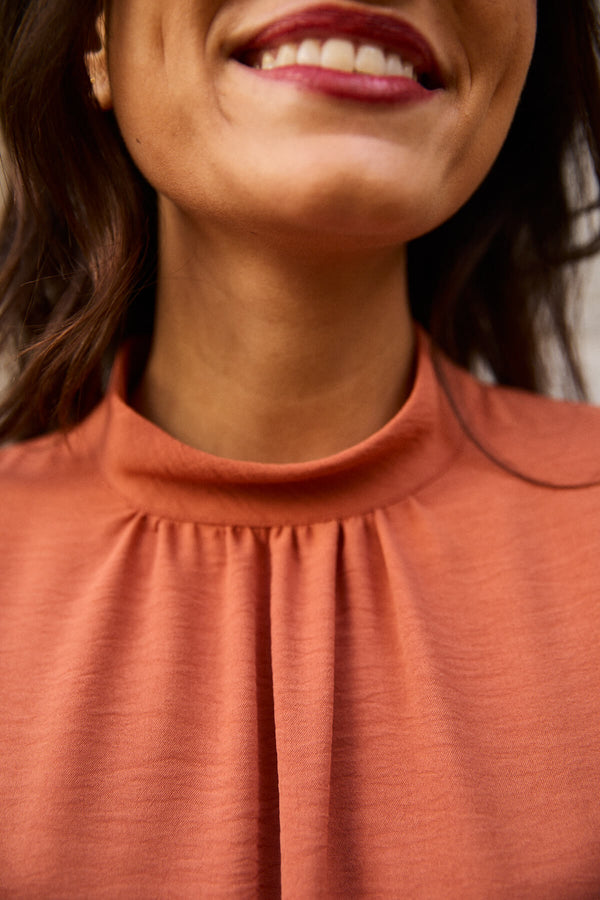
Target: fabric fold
x,y
303,612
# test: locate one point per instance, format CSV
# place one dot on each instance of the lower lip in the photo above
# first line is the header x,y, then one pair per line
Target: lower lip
x,y
350,85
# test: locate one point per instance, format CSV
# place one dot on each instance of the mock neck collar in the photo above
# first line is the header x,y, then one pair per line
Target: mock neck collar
x,y
163,477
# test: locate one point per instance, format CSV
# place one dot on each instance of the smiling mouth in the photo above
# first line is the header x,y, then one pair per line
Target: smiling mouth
x,y
346,41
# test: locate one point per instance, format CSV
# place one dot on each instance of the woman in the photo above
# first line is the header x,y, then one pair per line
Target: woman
x,y
291,604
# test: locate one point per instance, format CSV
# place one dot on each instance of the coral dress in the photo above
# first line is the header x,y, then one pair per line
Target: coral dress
x,y
375,675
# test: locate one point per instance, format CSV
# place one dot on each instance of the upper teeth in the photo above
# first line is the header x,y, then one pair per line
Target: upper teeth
x,y
336,53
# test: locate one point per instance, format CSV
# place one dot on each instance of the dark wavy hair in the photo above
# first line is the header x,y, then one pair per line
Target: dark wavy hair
x,y
78,242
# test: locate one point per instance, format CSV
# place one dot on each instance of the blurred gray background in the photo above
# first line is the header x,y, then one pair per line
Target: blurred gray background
x,y
589,327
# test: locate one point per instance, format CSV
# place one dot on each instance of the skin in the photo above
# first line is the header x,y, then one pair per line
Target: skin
x,y
283,331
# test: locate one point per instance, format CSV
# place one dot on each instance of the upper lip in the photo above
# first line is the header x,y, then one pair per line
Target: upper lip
x,y
387,31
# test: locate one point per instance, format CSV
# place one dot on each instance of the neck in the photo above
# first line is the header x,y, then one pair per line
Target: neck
x,y
266,354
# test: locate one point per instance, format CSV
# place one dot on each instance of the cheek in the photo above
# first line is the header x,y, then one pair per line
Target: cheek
x,y
500,39
499,36
153,59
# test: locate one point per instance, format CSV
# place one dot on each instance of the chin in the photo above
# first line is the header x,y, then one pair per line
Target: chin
x,y
384,201
362,221
352,205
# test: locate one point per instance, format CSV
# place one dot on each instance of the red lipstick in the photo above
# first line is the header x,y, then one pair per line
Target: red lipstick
x,y
361,27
